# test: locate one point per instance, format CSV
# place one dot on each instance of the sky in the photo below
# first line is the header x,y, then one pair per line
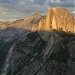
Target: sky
x,y
17,9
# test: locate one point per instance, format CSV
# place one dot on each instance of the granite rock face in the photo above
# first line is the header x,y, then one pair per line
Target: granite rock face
x,y
10,32
7,38
38,45
35,56
58,18
28,23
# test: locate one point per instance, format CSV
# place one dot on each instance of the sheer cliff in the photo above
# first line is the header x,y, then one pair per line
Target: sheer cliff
x,y
39,45
58,18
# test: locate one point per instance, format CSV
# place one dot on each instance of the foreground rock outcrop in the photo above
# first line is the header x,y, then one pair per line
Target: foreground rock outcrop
x,y
39,45
35,56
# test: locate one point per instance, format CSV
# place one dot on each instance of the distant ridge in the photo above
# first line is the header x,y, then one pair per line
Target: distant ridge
x,y
56,18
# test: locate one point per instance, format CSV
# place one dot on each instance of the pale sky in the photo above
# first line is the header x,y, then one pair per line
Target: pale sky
x,y
17,9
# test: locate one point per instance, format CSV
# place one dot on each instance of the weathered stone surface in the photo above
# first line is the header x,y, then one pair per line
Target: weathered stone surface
x,y
35,56
7,38
13,31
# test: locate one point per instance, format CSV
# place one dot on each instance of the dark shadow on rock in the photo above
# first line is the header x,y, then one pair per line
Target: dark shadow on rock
x,y
32,55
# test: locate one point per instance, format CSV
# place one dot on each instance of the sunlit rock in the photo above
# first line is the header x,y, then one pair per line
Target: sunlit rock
x,y
58,18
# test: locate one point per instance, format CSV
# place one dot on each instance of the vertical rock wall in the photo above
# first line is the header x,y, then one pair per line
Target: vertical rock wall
x,y
58,18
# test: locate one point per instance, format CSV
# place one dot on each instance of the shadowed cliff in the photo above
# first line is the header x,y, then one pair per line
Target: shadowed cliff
x,y
35,56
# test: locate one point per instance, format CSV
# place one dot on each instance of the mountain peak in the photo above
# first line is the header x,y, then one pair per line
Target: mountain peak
x,y
58,18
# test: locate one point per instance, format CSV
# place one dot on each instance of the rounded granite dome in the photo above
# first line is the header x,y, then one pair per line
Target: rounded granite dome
x,y
58,18
64,19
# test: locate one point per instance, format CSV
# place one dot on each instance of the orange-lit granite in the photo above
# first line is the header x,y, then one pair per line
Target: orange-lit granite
x,y
56,18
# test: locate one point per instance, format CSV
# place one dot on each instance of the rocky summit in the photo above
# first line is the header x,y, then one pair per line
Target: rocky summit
x,y
39,45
